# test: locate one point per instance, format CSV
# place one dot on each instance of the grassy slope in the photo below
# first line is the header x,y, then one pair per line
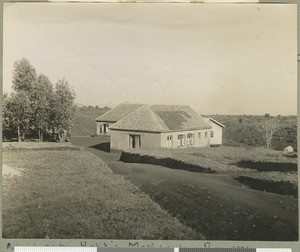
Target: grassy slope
x,y
73,194
84,120
224,159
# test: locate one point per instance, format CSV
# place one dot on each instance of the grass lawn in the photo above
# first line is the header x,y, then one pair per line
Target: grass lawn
x,y
70,193
214,204
255,163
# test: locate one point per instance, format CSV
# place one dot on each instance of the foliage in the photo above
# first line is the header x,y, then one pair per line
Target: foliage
x,y
41,96
240,131
84,120
35,106
5,112
266,127
18,111
63,107
24,76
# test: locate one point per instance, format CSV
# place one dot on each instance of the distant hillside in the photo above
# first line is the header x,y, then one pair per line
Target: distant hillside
x,y
239,131
84,121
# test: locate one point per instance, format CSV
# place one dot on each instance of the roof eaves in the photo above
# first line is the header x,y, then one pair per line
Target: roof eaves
x,y
200,128
223,126
134,130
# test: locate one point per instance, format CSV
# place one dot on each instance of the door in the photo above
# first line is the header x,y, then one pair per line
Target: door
x,y
170,141
134,141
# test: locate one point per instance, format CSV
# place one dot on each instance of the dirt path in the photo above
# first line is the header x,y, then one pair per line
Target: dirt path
x,y
215,205
9,171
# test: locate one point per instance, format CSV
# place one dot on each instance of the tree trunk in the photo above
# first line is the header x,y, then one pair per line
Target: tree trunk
x,y
39,134
19,134
42,136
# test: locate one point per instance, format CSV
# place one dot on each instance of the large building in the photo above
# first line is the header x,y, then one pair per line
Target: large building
x,y
156,126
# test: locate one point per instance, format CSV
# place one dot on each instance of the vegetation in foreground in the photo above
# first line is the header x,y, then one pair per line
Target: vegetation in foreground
x,y
73,194
213,204
256,163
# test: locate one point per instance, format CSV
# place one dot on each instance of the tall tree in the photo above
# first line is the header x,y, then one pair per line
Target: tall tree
x,y
41,96
5,112
24,76
266,127
63,108
19,112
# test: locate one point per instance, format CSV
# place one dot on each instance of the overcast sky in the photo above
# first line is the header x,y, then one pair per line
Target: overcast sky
x,y
225,59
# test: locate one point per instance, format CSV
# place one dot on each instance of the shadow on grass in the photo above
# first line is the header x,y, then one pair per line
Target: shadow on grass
x,y
166,162
279,187
267,166
102,146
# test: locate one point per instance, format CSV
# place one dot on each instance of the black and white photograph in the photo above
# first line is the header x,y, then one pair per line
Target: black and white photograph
x,y
139,121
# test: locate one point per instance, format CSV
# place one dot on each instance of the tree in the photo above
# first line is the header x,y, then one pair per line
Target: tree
x,y
24,76
18,112
5,112
266,127
63,108
41,96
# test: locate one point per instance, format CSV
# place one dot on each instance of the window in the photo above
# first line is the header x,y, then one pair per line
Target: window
x,y
211,134
180,140
205,133
190,139
104,128
170,141
199,135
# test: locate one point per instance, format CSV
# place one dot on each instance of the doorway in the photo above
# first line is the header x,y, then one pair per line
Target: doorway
x,y
134,141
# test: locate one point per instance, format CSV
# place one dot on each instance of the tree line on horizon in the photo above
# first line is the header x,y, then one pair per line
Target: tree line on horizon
x,y
273,132
36,108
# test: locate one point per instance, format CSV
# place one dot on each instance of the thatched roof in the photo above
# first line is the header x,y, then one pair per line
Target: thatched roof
x,y
118,112
162,118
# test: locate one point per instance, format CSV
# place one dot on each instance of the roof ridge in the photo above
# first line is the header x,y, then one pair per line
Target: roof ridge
x,y
118,106
144,112
154,117
108,112
124,118
142,105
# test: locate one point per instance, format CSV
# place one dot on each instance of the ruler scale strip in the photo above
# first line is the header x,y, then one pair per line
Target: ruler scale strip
x,y
98,249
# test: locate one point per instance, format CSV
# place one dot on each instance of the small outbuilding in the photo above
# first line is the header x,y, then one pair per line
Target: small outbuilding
x,y
216,132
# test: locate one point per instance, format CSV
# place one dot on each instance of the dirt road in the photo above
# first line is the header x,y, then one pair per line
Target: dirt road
x,y
212,204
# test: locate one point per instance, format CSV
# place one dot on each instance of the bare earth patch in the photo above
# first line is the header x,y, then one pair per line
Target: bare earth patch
x,y
8,171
